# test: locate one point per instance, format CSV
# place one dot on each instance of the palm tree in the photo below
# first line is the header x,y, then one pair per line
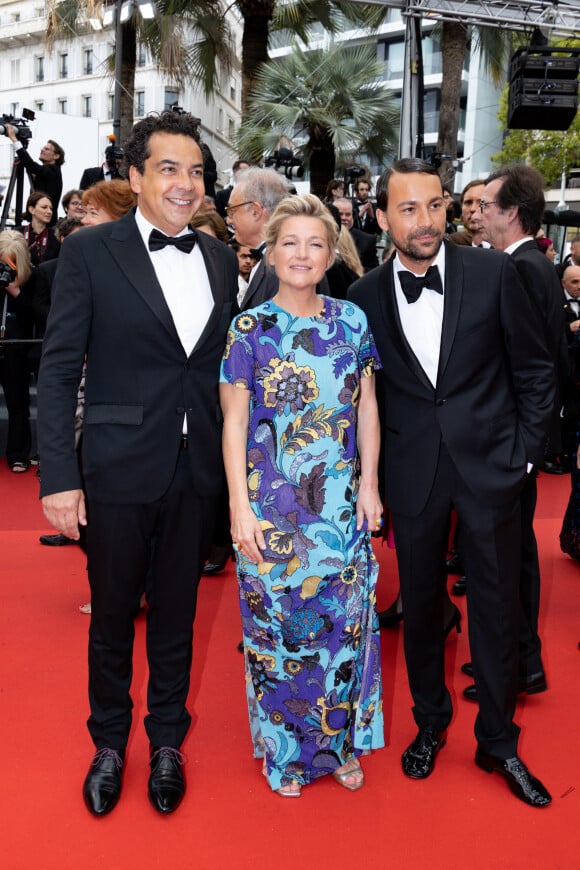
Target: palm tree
x,y
262,18
183,60
327,103
494,46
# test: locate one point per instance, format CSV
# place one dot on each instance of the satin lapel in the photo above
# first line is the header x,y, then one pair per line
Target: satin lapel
x,y
390,312
127,249
255,284
217,280
453,295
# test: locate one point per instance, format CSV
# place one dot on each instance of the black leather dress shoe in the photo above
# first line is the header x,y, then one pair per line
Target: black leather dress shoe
x,y
419,758
102,786
166,782
56,540
523,784
532,685
217,561
460,586
453,564
391,617
467,669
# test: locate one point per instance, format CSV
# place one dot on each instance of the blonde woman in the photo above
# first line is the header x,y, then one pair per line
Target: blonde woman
x,y
300,443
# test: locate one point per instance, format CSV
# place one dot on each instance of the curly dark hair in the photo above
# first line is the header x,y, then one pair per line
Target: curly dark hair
x,y
177,123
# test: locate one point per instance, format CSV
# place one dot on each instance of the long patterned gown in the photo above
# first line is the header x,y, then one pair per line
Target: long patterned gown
x,y
308,610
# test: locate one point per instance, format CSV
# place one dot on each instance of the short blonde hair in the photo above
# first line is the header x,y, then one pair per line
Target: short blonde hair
x,y
14,246
306,205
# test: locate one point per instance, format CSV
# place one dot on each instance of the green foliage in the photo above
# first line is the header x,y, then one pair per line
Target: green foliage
x,y
317,97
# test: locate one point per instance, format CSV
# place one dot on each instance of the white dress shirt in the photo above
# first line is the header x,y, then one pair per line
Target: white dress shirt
x,y
185,285
422,321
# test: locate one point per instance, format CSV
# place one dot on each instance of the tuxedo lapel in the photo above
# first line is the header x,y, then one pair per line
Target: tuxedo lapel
x,y
453,293
255,284
126,247
215,272
390,313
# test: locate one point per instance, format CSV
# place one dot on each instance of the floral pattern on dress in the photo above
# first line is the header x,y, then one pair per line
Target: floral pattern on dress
x,y
308,610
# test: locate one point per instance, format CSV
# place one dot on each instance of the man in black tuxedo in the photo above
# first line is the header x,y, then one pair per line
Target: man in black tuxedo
x,y
366,244
108,170
467,388
363,209
149,304
512,208
253,199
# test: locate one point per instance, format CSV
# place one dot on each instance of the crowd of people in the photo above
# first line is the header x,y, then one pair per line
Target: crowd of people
x,y
238,374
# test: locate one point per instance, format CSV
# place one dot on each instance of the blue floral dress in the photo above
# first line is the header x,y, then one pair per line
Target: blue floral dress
x,y
308,610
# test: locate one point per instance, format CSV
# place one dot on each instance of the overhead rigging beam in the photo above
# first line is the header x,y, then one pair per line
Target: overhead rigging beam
x,y
560,17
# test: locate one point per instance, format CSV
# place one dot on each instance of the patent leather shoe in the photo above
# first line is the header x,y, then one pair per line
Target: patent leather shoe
x,y
218,559
391,617
102,786
532,685
460,586
167,782
419,758
522,783
56,540
467,669
453,564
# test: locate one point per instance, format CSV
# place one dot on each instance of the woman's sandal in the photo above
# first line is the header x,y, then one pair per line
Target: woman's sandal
x,y
292,790
350,775
19,467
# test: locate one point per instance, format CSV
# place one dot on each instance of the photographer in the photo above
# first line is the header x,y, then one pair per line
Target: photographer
x,y
47,174
18,291
108,170
363,209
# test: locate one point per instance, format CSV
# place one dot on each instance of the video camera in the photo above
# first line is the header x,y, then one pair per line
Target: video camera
x,y
112,154
7,275
23,131
284,162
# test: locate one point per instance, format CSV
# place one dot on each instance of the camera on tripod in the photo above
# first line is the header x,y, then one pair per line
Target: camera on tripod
x,y
284,162
22,130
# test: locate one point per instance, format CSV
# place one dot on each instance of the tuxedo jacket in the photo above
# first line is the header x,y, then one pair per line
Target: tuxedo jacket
x,y
495,384
366,246
263,286
140,383
540,280
90,176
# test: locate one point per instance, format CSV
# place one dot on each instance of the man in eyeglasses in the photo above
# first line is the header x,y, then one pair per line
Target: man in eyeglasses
x,y
512,209
252,201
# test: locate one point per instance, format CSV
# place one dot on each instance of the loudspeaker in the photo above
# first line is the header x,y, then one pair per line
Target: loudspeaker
x,y
543,92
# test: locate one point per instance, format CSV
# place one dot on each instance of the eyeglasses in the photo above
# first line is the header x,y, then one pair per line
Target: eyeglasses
x,y
483,203
231,208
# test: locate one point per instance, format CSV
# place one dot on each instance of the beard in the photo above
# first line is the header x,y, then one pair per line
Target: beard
x,y
411,247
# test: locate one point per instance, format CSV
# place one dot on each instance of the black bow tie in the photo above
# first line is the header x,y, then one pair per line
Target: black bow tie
x,y
185,243
257,253
412,286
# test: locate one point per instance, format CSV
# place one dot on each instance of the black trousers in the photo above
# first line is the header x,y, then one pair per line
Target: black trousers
x,y
160,547
490,548
15,381
530,645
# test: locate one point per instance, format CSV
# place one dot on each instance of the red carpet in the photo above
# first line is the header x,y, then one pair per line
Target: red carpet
x,y
460,817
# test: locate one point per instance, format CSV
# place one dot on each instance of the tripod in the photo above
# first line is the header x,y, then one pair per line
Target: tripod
x,y
16,182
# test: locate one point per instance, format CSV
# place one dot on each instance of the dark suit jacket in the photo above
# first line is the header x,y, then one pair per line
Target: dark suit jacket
x,y
90,176
263,286
108,304
540,280
366,246
495,388
222,198
43,176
